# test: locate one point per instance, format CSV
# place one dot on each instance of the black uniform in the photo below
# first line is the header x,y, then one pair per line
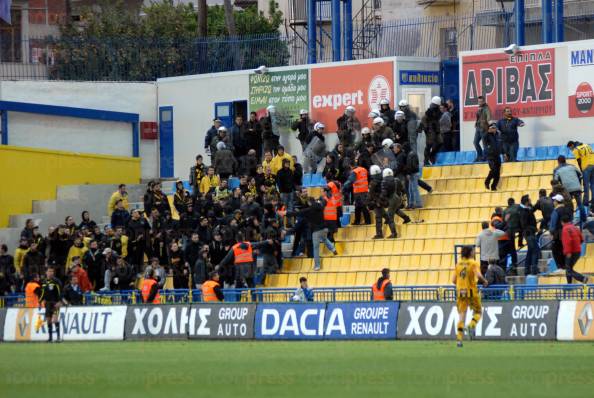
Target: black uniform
x,y
51,294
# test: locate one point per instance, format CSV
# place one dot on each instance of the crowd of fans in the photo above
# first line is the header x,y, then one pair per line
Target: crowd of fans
x,y
252,191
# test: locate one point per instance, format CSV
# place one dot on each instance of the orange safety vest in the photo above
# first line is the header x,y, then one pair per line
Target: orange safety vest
x,y
504,237
208,291
147,285
378,294
361,185
336,194
243,256
31,299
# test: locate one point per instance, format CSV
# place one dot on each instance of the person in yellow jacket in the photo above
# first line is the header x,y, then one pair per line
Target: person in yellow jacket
x,y
211,289
466,274
78,249
121,193
585,157
209,182
19,254
277,162
267,162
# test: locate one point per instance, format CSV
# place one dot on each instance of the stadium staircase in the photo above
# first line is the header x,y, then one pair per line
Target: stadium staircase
x,y
423,254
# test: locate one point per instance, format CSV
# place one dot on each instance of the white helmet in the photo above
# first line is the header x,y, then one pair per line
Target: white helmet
x,y
384,102
373,114
399,115
387,172
303,112
319,126
222,128
349,109
387,142
436,100
375,170
270,109
365,131
378,120
403,103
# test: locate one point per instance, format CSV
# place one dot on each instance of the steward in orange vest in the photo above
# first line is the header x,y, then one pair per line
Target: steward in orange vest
x,y
382,289
150,288
211,289
32,292
332,208
359,183
241,256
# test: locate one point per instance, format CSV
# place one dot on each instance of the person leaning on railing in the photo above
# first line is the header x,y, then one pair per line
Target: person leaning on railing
x,y
211,289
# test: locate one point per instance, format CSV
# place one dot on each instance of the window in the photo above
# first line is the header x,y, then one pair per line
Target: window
x,y
10,38
449,43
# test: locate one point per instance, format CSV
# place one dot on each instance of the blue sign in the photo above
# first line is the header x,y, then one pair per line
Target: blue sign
x,y
419,77
290,321
373,320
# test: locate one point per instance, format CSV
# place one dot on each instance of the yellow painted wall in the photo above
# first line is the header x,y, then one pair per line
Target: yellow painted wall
x,y
28,174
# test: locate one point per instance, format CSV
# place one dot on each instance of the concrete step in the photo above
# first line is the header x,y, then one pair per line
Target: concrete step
x,y
546,254
10,237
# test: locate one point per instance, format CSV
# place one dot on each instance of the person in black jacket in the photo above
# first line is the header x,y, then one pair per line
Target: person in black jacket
x,y
492,153
314,214
303,126
51,297
202,267
92,262
138,232
546,207
528,230
285,183
73,295
33,263
297,173
120,216
253,136
196,173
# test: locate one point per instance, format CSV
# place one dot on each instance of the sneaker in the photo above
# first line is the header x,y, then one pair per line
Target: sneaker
x,y
586,279
487,185
335,252
406,221
493,189
316,268
393,236
378,237
459,344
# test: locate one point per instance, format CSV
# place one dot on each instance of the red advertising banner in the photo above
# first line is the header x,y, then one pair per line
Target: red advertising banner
x,y
362,86
524,81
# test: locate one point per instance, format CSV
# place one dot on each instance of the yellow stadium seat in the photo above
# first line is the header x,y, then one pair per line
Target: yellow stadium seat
x,y
361,279
589,264
590,249
411,278
422,277
418,246
432,277
527,168
394,262
400,278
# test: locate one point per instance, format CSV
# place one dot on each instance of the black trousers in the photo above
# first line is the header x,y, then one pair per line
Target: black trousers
x,y
361,208
492,179
570,274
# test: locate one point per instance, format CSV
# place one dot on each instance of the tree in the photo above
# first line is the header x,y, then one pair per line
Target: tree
x,y
116,43
202,18
229,18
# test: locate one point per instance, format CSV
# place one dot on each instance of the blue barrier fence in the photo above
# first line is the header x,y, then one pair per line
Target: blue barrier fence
x,y
336,294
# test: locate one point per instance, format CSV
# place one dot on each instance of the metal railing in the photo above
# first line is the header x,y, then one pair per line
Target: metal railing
x,y
336,294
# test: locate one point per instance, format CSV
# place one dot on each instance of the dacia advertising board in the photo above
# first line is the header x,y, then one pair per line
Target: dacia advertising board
x,y
362,321
76,323
524,81
513,320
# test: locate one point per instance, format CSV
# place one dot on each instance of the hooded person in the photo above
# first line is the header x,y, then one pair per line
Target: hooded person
x,y
225,163
411,120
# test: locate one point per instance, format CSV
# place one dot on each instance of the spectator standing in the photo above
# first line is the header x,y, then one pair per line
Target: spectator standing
x,y
571,178
481,126
248,163
431,124
209,182
120,215
277,161
556,228
202,267
92,262
138,232
197,172
225,163
254,135
413,175
33,263
487,242
86,221
211,134
7,271
284,181
506,244
572,248
545,205
120,194
238,136
445,128
495,275
510,139
303,126
382,289
160,201
512,216
528,231
27,232
585,158
493,157
455,116
303,294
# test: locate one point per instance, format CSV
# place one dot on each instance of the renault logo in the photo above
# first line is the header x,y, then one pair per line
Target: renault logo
x,y
585,319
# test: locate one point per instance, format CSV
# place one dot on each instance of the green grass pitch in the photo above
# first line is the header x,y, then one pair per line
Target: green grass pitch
x,y
297,369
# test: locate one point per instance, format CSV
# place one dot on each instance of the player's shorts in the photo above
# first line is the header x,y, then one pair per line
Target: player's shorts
x,y
51,309
474,302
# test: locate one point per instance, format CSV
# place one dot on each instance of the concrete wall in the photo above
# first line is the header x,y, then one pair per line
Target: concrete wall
x,y
29,174
550,128
193,99
77,135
